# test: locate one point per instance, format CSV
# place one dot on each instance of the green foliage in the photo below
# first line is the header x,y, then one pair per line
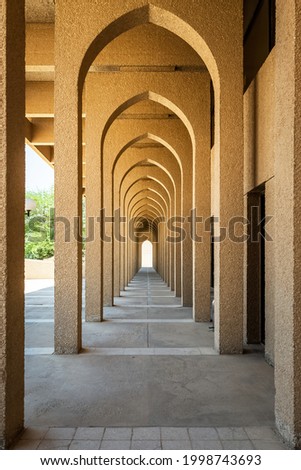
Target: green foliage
x,y
39,250
39,227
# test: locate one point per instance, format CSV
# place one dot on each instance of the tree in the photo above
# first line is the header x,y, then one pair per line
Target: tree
x,y
39,226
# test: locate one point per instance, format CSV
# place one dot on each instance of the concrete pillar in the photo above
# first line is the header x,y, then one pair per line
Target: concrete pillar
x,y
201,205
131,255
172,266
94,204
116,254
178,269
12,131
126,254
186,261
270,275
288,214
165,254
68,207
108,253
228,280
159,248
155,254
121,258
108,272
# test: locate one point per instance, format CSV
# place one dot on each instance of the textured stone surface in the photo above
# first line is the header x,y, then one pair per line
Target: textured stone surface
x,y
259,126
287,211
12,134
39,11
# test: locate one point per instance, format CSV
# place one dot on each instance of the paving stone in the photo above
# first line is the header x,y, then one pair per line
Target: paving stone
x,y
146,445
203,434
54,444
87,434
207,445
237,434
261,432
148,434
60,433
237,445
176,445
268,445
34,433
27,444
118,434
84,445
115,445
174,434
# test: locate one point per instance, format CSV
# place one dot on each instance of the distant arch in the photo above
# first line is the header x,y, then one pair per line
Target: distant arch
x,y
155,138
146,254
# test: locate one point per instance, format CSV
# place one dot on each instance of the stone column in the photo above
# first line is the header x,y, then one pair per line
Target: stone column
x,y
185,254
68,206
172,266
229,253
12,178
108,252
121,258
93,294
178,274
270,274
159,251
201,206
116,256
287,223
165,254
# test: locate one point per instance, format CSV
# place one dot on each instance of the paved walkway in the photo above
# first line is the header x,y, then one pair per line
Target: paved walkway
x,y
148,375
150,438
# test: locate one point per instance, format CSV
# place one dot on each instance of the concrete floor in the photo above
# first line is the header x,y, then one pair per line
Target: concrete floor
x,y
147,365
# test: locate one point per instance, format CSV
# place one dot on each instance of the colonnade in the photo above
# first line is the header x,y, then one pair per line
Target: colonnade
x,y
149,155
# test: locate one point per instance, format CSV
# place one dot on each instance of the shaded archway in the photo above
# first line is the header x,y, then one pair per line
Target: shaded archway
x,y
203,39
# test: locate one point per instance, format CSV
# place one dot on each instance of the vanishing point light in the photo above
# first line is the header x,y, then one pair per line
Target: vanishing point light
x,y
30,205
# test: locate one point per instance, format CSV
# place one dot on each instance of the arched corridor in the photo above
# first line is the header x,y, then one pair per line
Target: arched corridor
x,y
172,129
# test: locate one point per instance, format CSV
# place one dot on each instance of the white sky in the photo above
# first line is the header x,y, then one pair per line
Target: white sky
x,y
39,175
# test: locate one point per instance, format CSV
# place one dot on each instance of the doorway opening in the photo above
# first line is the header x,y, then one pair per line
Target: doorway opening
x,y
256,267
147,254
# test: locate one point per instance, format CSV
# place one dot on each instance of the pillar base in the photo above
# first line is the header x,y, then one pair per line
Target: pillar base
x,y
293,440
66,351
7,443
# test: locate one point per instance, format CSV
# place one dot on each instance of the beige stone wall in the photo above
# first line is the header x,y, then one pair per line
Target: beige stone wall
x,y
39,269
259,126
259,154
39,44
288,216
